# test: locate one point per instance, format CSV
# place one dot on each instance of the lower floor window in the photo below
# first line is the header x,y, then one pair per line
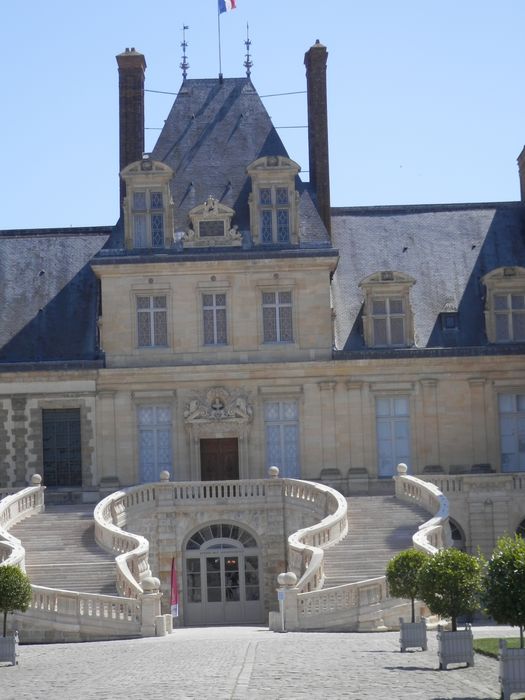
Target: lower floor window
x,y
154,428
282,437
512,431
393,433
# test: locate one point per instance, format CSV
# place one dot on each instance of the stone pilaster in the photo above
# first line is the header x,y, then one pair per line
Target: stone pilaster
x,y
328,424
478,419
429,420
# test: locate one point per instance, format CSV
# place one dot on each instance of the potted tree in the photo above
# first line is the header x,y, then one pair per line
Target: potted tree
x,y
402,575
504,600
450,584
15,594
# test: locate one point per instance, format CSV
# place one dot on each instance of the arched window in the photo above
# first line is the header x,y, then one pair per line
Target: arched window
x,y
458,538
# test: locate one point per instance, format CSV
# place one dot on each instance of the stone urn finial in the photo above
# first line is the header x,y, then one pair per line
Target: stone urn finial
x,y
164,476
287,579
273,472
36,480
402,469
150,584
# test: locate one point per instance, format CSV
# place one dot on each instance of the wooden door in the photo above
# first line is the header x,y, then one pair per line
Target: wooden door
x,y
219,459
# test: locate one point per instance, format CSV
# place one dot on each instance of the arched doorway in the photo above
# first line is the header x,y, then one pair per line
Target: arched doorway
x,y
458,538
222,577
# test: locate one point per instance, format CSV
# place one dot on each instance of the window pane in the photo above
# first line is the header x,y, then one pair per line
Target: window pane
x,y
221,326
285,297
502,327
268,297
157,230
281,196
520,399
397,331
518,326
500,301
506,403
396,306
139,201
207,299
161,328
379,306
285,324
156,200
401,406
265,195
140,236
159,302
380,336
143,329
283,227
271,410
383,407
143,302
266,226
209,337
269,324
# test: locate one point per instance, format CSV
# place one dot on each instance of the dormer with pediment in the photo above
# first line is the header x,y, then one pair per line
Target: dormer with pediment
x,y
148,205
211,226
274,201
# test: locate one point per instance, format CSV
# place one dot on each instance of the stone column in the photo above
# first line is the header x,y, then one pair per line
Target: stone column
x,y
478,419
328,425
106,438
430,424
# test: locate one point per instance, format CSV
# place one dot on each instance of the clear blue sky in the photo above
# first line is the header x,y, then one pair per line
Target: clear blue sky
x,y
426,97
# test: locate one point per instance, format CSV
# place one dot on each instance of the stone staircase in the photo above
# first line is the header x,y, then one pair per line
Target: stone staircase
x,y
61,551
378,528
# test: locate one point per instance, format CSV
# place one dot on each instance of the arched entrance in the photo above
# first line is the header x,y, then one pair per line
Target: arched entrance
x,y
222,577
458,538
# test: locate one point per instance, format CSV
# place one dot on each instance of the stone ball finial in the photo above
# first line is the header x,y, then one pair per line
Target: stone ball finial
x,y
287,579
150,584
273,472
402,469
36,480
164,475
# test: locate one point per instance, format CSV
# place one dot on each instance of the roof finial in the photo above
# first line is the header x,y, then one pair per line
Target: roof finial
x,y
248,62
184,63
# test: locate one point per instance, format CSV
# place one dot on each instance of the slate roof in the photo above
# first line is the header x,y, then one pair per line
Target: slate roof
x,y
213,132
49,295
445,248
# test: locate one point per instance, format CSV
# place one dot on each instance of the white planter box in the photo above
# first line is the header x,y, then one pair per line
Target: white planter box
x,y
9,648
511,670
455,647
412,635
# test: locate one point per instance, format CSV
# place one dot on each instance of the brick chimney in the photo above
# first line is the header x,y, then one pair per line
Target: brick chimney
x,y
315,62
521,169
131,68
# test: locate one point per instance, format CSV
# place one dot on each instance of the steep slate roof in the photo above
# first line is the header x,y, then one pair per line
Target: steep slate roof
x,y
445,248
49,295
213,132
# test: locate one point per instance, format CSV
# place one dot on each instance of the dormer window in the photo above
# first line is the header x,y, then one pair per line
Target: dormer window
x,y
211,226
273,201
148,219
505,305
148,207
387,317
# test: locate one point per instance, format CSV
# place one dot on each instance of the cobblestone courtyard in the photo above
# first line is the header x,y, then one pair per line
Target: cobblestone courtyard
x,y
246,662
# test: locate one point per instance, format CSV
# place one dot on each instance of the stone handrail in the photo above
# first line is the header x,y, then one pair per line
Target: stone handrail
x,y
305,547
132,550
462,484
434,534
14,508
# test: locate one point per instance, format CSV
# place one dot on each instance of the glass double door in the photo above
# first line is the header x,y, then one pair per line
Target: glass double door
x,y
222,588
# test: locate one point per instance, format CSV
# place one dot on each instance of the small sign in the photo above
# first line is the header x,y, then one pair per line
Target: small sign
x,y
280,595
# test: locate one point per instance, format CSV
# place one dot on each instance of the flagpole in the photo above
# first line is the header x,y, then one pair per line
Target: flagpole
x,y
219,32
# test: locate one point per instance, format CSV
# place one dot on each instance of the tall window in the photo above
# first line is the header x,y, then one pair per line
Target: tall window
x,y
512,431
148,219
152,321
275,214
282,437
154,428
277,317
388,321
509,315
214,319
393,433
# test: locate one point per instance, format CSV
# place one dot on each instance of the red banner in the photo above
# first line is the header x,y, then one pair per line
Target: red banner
x,y
174,590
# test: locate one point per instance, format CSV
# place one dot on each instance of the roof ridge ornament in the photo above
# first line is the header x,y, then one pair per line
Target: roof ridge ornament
x,y
248,63
184,63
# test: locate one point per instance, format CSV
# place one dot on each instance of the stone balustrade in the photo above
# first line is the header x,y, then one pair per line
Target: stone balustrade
x,y
14,508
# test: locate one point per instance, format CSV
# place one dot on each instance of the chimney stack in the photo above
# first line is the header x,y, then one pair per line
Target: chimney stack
x,y
315,61
131,68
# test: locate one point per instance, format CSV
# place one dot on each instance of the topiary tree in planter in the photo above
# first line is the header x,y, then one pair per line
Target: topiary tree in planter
x,y
450,584
504,583
15,591
402,575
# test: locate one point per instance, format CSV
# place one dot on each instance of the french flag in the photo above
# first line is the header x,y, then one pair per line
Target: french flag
x,y
227,5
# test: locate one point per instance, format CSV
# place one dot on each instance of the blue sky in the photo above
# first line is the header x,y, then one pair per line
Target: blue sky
x,y
426,102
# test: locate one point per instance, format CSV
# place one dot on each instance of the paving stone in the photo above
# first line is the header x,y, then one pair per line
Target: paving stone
x,y
246,663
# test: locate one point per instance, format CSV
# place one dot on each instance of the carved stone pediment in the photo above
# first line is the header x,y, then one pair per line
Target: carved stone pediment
x,y
211,226
218,405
